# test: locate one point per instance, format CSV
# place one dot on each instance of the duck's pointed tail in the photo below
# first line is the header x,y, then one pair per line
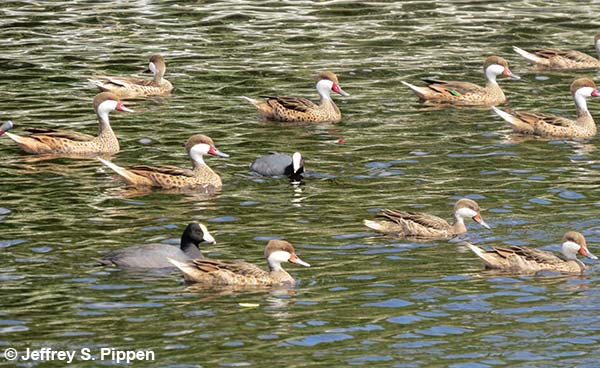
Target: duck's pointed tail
x,y
529,56
481,254
188,270
373,225
262,106
128,176
517,124
421,92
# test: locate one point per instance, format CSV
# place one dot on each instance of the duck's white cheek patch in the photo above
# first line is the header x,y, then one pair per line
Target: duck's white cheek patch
x,y
466,212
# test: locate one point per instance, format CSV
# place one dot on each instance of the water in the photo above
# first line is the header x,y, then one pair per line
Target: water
x,y
366,300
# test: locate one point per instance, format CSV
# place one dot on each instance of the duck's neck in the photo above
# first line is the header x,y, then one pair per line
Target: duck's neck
x,y
158,76
458,226
490,77
104,128
581,107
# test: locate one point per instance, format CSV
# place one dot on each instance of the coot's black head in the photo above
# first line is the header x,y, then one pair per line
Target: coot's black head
x,y
196,233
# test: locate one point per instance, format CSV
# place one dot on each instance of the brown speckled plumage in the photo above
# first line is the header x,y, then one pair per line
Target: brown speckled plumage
x,y
50,141
549,125
132,87
222,272
519,259
200,177
556,59
422,225
299,109
465,93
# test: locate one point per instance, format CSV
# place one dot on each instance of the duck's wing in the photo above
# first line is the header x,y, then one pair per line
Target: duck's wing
x,y
528,254
423,219
535,117
292,103
573,55
164,169
38,133
452,88
234,268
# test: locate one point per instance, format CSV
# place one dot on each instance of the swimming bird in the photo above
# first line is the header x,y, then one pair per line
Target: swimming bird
x,y
279,164
562,59
171,177
549,125
155,255
518,259
52,141
422,225
220,272
465,93
299,109
133,87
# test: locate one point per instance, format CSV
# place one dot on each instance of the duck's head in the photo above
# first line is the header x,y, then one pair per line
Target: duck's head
x,y
199,145
468,208
106,102
6,126
328,81
573,243
494,66
584,87
279,251
156,65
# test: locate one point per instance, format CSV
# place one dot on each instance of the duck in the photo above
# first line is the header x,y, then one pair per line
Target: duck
x,y
132,87
155,255
52,141
422,225
171,177
215,272
299,109
278,164
465,93
549,125
561,59
519,259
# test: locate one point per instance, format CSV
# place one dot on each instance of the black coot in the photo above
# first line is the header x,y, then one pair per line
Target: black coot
x,y
279,164
155,255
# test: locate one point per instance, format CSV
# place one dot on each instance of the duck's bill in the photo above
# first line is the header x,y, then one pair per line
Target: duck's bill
x,y
509,74
585,252
214,151
120,107
337,89
480,221
6,126
594,94
294,259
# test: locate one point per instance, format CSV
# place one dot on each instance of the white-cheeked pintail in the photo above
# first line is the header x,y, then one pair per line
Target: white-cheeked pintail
x,y
465,93
549,125
425,226
132,87
51,141
299,109
519,259
200,177
214,272
562,59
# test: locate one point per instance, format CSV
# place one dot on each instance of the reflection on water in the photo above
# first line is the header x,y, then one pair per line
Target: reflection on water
x,y
366,299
